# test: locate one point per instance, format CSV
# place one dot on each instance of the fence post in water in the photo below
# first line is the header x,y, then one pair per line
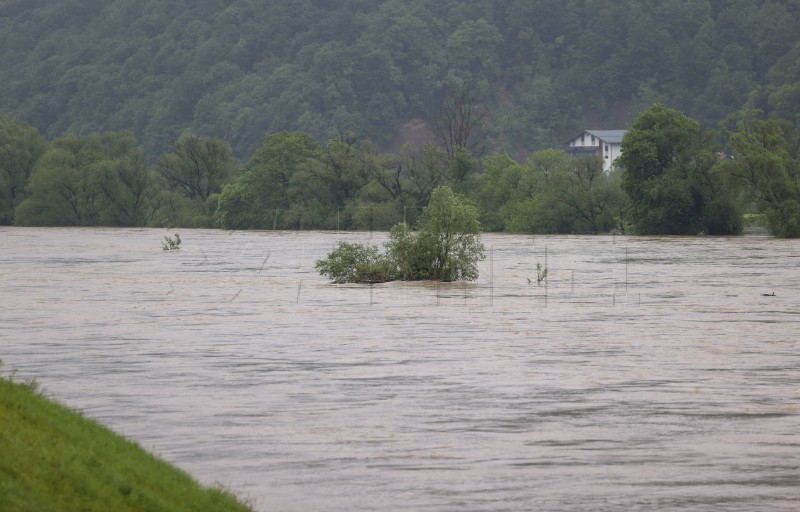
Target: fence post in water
x,y
533,251
614,288
626,270
491,276
264,262
572,290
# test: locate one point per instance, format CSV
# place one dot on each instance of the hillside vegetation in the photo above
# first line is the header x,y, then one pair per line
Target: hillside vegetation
x,y
54,459
240,69
292,115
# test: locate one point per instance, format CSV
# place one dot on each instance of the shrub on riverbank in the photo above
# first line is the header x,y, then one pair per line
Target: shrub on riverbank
x,y
55,459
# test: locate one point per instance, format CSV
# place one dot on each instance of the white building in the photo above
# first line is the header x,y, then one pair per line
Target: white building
x,y
602,143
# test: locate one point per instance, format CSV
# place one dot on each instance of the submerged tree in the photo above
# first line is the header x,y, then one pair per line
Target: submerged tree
x,y
446,247
448,239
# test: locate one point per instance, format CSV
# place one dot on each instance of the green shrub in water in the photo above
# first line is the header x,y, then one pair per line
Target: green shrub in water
x,y
446,247
171,244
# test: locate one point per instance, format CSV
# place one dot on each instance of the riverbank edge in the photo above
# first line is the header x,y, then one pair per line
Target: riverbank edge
x,y
55,459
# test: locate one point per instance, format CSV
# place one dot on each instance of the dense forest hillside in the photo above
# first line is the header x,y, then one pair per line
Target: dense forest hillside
x,y
240,69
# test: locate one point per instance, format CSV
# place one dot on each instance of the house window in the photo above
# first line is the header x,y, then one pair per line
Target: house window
x,y
606,148
593,140
583,139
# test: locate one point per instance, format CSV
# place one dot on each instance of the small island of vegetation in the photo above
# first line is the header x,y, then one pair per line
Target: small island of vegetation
x,y
446,247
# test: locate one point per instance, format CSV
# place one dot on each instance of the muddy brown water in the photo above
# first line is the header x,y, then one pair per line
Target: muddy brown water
x,y
642,374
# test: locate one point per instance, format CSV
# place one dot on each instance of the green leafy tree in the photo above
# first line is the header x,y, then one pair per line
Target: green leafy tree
x,y
590,199
21,146
389,172
446,247
667,167
128,188
425,169
473,46
198,167
530,208
193,176
355,263
448,240
400,184
60,192
327,185
498,190
264,192
90,181
552,193
767,163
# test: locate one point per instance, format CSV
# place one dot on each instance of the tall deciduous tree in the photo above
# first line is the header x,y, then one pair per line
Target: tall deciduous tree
x,y
90,181
264,190
557,193
21,145
328,184
128,187
459,123
447,245
61,193
767,162
198,167
590,199
498,190
668,175
398,185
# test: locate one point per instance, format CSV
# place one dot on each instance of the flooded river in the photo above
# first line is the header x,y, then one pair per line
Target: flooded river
x,y
641,374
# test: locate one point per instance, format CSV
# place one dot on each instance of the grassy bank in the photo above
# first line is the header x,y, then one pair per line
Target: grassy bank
x,y
54,459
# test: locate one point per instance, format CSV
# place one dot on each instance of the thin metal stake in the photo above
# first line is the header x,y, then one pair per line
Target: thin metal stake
x,y
626,270
614,288
546,277
491,276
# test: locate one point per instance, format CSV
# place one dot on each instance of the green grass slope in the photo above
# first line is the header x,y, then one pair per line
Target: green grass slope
x,y
54,459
